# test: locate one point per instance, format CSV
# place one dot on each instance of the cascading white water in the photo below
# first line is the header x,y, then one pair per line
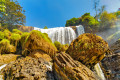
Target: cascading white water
x,y
99,71
64,35
80,30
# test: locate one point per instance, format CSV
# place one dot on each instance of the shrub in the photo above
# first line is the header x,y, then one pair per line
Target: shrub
x,y
45,27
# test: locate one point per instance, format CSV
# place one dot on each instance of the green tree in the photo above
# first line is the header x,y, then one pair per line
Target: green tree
x,y
107,20
73,22
14,14
2,6
45,27
90,23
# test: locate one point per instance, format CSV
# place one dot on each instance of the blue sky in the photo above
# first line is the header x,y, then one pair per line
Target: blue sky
x,y
54,13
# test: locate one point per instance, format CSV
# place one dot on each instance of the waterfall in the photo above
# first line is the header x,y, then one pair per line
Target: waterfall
x,y
80,30
99,71
64,35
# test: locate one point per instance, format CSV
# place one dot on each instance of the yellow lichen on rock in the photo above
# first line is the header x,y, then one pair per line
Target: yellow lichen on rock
x,y
38,41
88,49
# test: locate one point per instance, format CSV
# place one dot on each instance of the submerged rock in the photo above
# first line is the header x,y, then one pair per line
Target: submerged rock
x,y
88,49
39,41
28,69
65,68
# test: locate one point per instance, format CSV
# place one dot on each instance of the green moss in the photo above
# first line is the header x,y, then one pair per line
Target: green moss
x,y
39,41
58,45
41,35
7,33
1,35
23,38
5,47
14,39
15,36
17,31
4,41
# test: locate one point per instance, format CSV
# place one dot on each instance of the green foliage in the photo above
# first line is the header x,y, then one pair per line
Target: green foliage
x,y
14,14
1,35
73,22
117,14
2,6
17,31
45,27
107,20
88,21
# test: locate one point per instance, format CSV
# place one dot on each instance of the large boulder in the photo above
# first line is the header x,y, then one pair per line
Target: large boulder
x,y
39,41
65,68
28,69
88,48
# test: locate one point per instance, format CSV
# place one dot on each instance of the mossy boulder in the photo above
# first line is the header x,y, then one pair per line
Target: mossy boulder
x,y
38,41
6,48
88,48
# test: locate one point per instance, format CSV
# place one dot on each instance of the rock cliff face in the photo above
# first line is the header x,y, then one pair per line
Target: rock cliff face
x,y
65,68
25,28
111,63
28,69
88,49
